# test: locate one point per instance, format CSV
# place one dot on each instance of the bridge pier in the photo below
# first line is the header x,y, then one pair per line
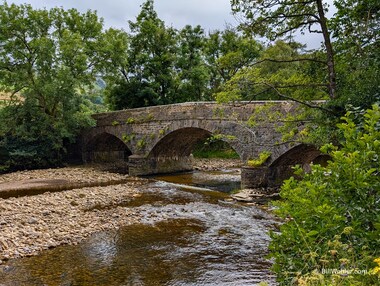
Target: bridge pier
x,y
263,177
140,165
254,177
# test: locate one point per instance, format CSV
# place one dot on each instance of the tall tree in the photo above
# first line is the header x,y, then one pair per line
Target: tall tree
x,y
356,27
227,52
152,53
193,74
46,58
276,19
147,70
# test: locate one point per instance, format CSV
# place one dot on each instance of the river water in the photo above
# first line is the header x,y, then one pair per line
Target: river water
x,y
189,235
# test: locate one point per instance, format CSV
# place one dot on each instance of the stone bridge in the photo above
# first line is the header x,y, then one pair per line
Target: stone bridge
x,y
160,139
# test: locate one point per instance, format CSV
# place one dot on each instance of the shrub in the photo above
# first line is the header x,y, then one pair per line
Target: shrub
x,y
332,215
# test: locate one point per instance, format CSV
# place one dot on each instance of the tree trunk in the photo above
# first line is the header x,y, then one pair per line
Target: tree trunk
x,y
329,50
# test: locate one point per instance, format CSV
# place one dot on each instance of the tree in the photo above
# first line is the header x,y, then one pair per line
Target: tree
x,y
149,69
279,78
193,74
46,58
226,52
356,27
276,19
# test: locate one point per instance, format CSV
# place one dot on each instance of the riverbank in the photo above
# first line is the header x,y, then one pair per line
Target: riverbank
x,y
30,224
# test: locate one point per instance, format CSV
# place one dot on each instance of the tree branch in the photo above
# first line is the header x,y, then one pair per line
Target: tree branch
x,y
297,100
289,61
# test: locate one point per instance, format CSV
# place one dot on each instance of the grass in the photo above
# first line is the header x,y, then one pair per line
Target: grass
x,y
214,149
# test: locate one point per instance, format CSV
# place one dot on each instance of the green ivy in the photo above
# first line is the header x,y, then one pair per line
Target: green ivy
x,y
263,157
130,120
141,143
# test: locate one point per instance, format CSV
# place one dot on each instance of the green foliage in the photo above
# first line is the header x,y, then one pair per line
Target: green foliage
x,y
223,137
162,132
50,59
226,53
193,75
215,147
275,76
263,157
276,19
332,215
128,137
141,143
356,24
130,120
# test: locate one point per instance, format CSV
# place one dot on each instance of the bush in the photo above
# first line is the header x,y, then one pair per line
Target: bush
x,y
332,215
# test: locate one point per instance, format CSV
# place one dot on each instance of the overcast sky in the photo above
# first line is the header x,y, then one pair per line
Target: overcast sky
x,y
210,14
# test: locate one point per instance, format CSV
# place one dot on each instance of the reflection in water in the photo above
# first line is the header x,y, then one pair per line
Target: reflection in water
x,y
185,238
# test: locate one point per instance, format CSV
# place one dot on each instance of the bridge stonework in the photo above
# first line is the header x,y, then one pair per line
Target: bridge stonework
x,y
160,139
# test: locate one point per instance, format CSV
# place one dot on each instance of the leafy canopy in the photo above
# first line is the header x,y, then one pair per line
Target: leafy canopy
x,y
47,58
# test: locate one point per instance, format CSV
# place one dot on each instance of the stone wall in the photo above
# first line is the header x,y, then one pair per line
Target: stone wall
x,y
160,139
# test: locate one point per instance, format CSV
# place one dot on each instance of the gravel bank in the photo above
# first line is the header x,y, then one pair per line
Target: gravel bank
x,y
30,224
34,182
81,174
216,164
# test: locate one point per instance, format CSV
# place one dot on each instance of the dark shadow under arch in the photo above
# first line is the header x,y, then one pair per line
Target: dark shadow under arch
x,y
298,155
106,147
303,154
179,143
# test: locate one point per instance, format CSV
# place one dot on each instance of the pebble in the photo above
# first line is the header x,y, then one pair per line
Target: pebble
x,y
67,217
32,221
51,219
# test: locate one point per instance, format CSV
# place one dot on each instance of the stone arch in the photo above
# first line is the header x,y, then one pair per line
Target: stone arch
x,y
302,154
273,174
179,143
238,137
171,151
106,147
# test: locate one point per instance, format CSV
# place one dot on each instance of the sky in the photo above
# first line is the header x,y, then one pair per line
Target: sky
x,y
210,14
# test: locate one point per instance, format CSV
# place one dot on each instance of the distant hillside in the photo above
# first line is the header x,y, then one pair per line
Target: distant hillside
x,y
5,97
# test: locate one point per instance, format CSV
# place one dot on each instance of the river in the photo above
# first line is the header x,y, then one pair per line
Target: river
x,y
190,234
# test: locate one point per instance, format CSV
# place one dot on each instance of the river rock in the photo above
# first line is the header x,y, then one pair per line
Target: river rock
x,y
255,195
31,224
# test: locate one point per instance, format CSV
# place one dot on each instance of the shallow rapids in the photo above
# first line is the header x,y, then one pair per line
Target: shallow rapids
x,y
187,236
